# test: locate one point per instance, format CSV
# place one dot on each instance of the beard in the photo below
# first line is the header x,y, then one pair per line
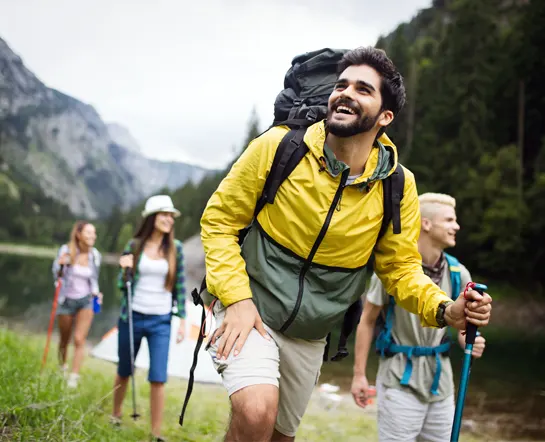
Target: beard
x,y
363,124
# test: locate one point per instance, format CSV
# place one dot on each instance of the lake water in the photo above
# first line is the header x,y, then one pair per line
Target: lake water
x,y
507,385
27,290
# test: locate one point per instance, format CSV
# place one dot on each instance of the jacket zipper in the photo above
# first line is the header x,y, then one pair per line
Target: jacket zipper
x,y
319,239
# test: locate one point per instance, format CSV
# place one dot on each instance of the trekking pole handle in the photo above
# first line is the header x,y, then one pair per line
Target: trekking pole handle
x,y
471,329
128,274
128,270
61,269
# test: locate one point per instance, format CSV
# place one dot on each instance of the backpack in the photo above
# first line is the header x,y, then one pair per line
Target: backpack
x,y
308,84
386,347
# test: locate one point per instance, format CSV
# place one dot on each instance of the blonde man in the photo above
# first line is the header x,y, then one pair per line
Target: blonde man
x,y
415,385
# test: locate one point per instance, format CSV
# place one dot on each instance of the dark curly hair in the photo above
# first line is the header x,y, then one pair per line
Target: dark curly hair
x,y
392,88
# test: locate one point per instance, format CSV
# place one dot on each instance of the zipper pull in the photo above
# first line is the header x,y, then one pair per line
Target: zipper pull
x,y
344,178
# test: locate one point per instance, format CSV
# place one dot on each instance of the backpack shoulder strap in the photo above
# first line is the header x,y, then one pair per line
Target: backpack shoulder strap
x,y
393,187
97,257
455,275
289,153
384,339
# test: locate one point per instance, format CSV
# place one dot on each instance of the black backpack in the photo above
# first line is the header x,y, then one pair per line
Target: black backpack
x,y
307,86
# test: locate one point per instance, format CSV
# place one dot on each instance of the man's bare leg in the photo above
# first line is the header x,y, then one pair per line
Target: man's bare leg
x,y
253,414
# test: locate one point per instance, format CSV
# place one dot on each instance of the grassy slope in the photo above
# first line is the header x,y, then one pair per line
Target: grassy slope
x,y
41,408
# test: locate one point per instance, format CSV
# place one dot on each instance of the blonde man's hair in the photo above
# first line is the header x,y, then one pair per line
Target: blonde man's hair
x,y
429,203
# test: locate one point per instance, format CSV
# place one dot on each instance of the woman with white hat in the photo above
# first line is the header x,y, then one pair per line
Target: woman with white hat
x,y
157,292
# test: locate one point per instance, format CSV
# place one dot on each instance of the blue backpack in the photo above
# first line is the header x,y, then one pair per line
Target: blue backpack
x,y
386,347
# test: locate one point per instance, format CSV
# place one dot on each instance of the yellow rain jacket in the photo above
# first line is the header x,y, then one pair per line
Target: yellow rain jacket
x,y
308,256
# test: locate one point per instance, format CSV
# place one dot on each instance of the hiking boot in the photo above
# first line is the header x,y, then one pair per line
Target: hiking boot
x,y
341,354
73,379
115,421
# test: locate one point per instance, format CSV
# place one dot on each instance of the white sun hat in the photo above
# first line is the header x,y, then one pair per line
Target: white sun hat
x,y
159,203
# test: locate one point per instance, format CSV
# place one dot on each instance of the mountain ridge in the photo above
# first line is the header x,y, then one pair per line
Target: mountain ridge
x,y
62,145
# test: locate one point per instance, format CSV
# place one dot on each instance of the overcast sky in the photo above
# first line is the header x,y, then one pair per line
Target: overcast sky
x,y
182,76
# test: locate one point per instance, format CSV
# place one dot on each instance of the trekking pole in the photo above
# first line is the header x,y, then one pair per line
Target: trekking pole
x,y
134,414
471,334
58,285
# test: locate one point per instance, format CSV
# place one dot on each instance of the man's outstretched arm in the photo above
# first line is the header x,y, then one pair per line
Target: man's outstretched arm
x,y
399,266
364,339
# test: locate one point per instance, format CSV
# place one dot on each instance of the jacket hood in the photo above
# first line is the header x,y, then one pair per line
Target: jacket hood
x,y
381,163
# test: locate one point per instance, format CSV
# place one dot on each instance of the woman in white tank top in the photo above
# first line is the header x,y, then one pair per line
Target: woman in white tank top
x,y
158,291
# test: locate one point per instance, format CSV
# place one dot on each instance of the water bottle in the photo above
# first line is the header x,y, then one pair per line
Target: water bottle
x,y
96,305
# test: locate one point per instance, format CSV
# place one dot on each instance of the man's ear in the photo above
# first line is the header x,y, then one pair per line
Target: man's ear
x,y
426,225
386,118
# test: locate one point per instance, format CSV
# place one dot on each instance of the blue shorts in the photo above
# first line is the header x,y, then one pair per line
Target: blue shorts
x,y
72,306
156,330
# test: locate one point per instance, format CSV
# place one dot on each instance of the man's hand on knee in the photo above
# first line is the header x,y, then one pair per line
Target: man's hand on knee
x,y
239,320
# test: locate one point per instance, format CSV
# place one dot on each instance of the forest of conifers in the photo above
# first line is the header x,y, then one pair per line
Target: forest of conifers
x,y
473,127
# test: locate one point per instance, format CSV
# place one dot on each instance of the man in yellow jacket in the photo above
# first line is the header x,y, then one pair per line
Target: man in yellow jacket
x,y
307,257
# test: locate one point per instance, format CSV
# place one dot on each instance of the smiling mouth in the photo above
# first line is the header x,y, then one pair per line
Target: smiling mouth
x,y
345,107
345,110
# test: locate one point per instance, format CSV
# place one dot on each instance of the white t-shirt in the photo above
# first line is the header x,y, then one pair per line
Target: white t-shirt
x,y
352,178
150,296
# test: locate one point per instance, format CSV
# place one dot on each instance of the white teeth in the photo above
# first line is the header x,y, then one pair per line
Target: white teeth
x,y
344,108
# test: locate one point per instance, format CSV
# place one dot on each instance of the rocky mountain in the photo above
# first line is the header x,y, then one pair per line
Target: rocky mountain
x,y
147,173
62,146
121,136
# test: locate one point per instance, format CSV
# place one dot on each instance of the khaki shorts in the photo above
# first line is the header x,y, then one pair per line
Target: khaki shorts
x,y
402,417
292,365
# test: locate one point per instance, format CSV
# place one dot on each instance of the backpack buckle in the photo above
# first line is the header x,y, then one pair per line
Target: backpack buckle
x,y
311,115
197,300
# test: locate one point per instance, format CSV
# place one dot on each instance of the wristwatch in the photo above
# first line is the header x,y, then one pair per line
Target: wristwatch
x,y
440,315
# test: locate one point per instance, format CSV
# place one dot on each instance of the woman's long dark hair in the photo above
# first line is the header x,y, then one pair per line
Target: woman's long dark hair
x,y
146,228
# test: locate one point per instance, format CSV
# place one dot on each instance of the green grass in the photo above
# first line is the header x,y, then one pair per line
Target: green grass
x,y
40,408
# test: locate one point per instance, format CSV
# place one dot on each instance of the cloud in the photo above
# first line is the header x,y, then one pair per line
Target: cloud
x,y
183,77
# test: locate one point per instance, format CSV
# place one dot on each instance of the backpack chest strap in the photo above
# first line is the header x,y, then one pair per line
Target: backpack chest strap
x,y
417,351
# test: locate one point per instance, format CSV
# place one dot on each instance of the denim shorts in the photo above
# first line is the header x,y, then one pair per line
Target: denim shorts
x,y
71,306
156,330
